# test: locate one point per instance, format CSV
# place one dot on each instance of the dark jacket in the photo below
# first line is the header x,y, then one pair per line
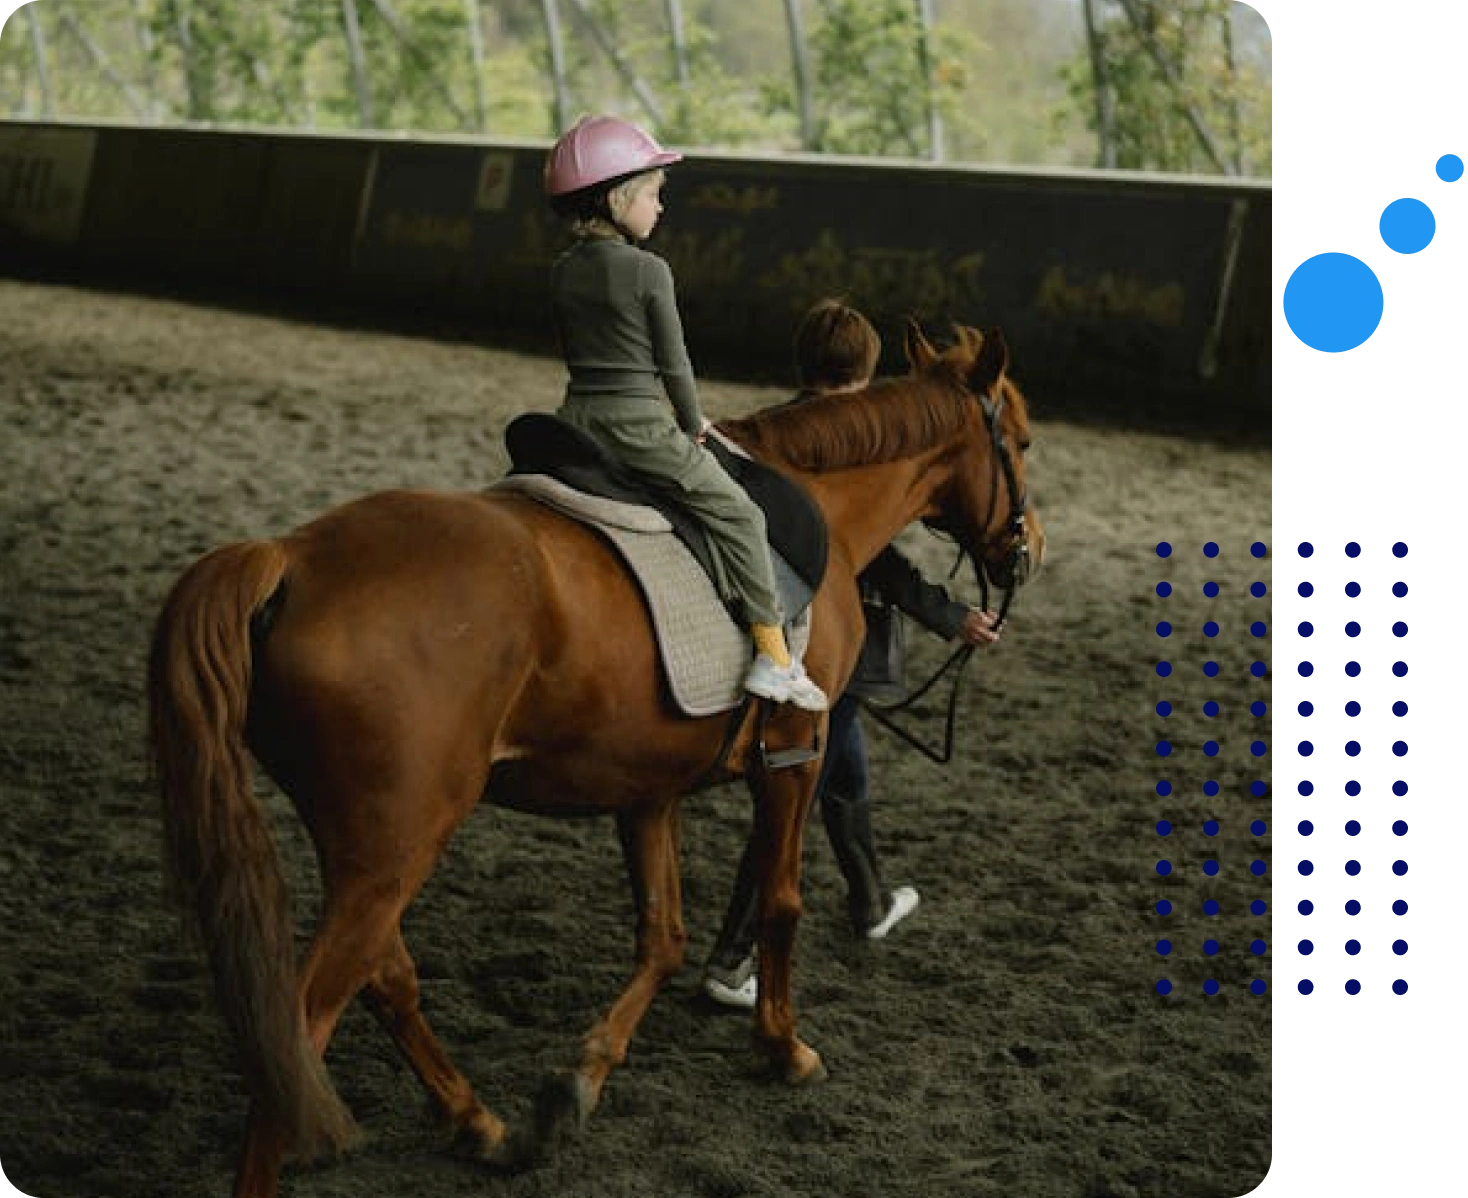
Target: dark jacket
x,y
891,581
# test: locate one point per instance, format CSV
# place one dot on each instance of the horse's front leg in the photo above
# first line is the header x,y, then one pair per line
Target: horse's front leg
x,y
649,839
782,802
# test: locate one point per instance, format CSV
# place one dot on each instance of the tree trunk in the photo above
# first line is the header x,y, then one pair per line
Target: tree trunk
x,y
801,64
1231,74
925,48
1105,114
100,61
143,31
476,51
43,67
680,44
365,116
558,63
624,68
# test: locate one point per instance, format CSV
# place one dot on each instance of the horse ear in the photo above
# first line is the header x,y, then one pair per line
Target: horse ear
x,y
970,339
991,363
920,351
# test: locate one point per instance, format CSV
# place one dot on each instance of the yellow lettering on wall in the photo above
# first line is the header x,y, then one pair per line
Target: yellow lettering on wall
x,y
427,230
722,197
1110,295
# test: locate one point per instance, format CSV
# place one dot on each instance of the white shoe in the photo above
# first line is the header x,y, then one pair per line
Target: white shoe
x,y
904,903
737,987
789,684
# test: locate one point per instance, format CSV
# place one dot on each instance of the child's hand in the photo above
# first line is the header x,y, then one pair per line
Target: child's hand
x,y
979,627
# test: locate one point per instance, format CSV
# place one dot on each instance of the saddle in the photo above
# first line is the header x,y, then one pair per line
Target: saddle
x,y
540,443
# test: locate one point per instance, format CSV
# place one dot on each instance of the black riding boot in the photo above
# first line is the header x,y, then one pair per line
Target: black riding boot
x,y
849,825
741,918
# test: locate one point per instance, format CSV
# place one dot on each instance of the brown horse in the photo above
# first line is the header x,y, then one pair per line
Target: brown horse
x,y
405,654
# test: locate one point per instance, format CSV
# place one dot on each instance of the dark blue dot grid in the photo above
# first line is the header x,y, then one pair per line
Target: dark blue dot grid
x,y
1209,848
1354,806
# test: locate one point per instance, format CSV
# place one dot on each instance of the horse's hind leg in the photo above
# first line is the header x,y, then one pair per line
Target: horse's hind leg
x,y
392,996
649,839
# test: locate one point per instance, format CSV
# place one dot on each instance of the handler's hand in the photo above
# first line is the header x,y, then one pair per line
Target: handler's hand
x,y
979,627
703,430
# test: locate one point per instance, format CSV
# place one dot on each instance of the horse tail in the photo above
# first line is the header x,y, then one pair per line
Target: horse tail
x,y
220,858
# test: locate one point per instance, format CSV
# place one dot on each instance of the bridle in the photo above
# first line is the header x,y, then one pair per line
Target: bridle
x,y
1016,557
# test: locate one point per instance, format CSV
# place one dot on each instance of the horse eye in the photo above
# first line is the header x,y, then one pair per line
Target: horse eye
x,y
1024,446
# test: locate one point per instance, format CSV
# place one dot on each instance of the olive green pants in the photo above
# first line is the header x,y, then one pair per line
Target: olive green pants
x,y
643,435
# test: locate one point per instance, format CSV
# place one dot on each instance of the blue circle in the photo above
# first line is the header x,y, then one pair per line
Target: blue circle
x,y
1257,708
1353,947
1258,748
1353,549
1399,868
1449,169
1353,629
1210,549
1306,788
1399,549
1353,787
1210,709
1306,827
1353,709
1210,907
1399,589
1210,669
1306,628
1353,668
1164,708
1305,549
1257,589
1164,987
1258,828
1164,947
1305,907
1211,987
1257,868
1164,749
1399,628
1352,987
1399,907
1399,987
1164,907
1210,827
1210,947
1306,707
1210,589
1407,226
1164,868
1210,868
1399,708
1399,747
1306,867
1399,788
1210,747
1305,986
1257,549
1258,668
1333,302
1353,907
1353,748
1353,589
1164,668
1164,787
1305,590
1305,748
1257,907
1210,628
1399,947
1257,788
1306,948
1399,668
1353,828
1164,628
1164,827
1164,549
1164,589
1257,986
1210,788
1353,867
1399,828
1258,628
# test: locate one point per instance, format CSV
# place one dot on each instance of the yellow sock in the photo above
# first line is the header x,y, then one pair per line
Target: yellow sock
x,y
769,639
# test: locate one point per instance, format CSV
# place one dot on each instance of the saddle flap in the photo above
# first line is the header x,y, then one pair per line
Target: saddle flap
x,y
539,443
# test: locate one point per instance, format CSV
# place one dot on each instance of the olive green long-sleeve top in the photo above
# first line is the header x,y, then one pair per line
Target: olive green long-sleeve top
x,y
617,315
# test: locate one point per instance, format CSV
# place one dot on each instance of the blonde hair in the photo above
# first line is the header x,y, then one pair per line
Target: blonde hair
x,y
618,200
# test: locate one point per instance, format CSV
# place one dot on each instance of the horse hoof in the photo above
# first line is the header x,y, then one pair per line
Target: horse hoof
x,y
562,1107
480,1137
805,1067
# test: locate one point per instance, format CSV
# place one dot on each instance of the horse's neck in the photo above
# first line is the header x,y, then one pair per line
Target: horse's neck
x,y
867,506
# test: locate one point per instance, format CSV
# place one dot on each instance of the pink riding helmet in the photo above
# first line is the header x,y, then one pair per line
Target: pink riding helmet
x,y
599,148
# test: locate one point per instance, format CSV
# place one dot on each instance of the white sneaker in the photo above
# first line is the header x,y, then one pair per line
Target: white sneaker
x,y
904,903
789,684
737,987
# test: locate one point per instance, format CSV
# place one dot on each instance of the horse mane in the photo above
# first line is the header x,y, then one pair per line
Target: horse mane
x,y
893,418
